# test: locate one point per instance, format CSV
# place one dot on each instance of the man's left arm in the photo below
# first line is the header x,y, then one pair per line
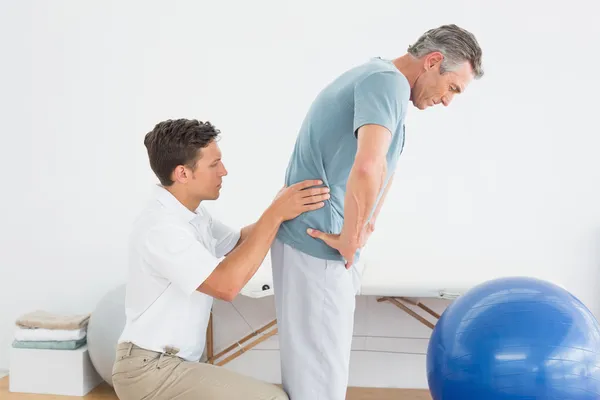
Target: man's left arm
x,y
370,226
244,233
380,204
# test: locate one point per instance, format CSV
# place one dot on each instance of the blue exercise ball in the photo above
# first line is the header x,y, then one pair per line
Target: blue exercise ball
x,y
515,338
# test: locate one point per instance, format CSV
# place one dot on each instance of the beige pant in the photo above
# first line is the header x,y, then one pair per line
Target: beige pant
x,y
141,374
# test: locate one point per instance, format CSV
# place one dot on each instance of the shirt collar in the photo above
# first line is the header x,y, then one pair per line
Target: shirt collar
x,y
171,203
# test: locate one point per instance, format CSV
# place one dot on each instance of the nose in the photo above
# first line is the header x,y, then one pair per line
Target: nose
x,y
447,99
223,171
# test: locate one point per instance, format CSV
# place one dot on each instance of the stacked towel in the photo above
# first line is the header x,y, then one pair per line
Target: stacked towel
x,y
44,330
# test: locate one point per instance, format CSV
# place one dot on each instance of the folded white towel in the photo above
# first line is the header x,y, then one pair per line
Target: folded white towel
x,y
47,320
42,334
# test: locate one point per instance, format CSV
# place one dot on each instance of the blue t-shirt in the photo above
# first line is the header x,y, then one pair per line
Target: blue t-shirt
x,y
375,92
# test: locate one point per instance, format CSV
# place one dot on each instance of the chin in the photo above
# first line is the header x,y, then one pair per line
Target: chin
x,y
420,106
211,196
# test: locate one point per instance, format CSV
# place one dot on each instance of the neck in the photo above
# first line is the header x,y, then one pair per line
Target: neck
x,y
184,197
410,67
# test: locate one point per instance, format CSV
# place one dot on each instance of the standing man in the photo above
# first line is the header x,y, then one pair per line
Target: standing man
x,y
351,138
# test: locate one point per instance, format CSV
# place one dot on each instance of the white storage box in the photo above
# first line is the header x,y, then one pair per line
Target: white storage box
x,y
59,372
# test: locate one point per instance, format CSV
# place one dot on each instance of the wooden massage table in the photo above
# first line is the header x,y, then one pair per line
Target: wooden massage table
x,y
402,288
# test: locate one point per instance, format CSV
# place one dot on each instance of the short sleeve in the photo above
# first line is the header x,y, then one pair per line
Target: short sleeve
x,y
177,255
378,101
225,237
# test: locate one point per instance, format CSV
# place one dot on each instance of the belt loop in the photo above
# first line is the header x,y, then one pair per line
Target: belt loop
x,y
159,360
129,349
169,351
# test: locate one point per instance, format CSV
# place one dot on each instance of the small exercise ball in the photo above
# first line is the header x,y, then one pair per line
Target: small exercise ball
x,y
515,338
104,329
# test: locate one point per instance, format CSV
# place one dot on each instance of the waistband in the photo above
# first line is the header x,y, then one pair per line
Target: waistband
x,y
130,348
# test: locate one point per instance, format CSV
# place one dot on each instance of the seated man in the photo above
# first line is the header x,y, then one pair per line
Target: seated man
x,y
175,270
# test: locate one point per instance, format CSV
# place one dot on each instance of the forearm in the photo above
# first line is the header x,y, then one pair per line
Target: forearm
x,y
241,264
363,186
382,200
246,231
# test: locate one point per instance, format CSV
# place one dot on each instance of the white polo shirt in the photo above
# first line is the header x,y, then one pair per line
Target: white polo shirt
x,y
172,250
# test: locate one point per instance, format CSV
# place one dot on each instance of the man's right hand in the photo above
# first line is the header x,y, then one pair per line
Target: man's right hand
x,y
298,198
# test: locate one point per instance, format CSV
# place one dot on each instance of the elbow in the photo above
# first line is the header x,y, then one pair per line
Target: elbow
x,y
227,296
228,293
222,284
219,290
371,167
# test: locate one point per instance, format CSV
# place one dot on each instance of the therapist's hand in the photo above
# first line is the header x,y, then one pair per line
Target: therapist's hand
x,y
299,198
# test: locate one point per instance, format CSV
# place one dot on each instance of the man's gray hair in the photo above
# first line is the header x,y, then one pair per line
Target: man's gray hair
x,y
456,44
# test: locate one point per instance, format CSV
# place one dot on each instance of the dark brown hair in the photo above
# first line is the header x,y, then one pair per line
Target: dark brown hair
x,y
177,142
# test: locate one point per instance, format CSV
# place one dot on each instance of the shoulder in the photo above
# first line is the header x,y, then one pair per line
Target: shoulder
x,y
168,241
386,81
381,95
157,228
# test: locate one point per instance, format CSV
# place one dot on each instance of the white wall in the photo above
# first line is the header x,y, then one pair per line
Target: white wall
x,y
504,181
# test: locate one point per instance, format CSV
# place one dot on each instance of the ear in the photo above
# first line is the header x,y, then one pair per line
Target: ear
x,y
180,174
433,60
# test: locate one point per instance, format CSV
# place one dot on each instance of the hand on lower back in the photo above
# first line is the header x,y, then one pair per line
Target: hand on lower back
x,y
299,198
338,242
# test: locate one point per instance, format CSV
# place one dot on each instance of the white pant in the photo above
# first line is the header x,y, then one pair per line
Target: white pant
x,y
315,302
